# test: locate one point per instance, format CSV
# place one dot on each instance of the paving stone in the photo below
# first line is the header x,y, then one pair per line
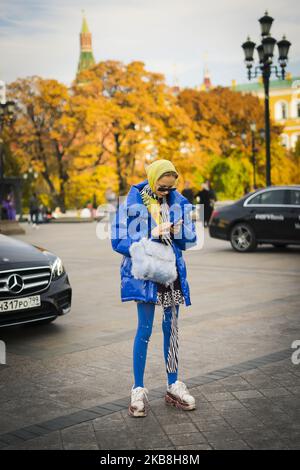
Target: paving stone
x,y
179,428
213,423
275,392
194,447
227,405
152,440
187,438
115,439
11,439
50,441
100,411
219,396
23,434
294,390
221,433
35,429
244,394
111,407
222,444
79,437
267,444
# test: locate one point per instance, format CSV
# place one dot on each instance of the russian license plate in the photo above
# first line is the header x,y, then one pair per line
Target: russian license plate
x,y
20,304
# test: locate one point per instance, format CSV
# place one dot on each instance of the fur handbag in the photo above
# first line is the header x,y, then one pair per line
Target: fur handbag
x,y
153,261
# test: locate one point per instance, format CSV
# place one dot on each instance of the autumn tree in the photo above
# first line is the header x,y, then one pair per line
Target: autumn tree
x,y
141,120
222,117
44,131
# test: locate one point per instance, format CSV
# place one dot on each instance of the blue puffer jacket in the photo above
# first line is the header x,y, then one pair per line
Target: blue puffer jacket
x,y
136,289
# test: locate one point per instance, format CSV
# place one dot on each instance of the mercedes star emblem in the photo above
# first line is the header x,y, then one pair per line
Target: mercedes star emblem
x,y
15,283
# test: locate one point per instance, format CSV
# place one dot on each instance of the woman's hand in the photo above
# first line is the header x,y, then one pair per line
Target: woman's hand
x,y
161,229
176,228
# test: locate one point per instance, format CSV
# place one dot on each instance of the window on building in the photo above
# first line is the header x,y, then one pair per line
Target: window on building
x,y
285,140
294,140
283,111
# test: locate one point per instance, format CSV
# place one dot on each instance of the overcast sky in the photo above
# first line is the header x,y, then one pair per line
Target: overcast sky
x,y
174,37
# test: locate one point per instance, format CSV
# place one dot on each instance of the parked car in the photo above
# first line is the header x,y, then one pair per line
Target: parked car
x,y
34,286
269,215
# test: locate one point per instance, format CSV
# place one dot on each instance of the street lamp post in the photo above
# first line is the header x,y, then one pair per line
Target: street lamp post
x,y
265,69
254,151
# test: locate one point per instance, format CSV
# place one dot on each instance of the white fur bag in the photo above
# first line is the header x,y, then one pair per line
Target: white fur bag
x,y
153,261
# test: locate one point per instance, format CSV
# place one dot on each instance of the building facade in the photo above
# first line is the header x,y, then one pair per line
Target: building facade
x,y
284,104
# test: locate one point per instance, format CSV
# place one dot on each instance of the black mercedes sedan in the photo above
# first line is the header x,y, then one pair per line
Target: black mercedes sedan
x,y
270,215
34,286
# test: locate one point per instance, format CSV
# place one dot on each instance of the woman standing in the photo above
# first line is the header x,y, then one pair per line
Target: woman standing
x,y
152,204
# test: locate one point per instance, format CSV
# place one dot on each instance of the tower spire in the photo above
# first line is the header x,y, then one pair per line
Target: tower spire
x,y
206,85
86,57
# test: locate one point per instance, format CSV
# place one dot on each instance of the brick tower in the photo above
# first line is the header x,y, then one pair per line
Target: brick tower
x,y
86,58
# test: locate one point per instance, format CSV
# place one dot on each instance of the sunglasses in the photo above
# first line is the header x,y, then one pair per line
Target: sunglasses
x,y
163,189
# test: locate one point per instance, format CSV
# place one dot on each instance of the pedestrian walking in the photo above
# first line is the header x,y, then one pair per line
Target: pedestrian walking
x,y
153,273
34,209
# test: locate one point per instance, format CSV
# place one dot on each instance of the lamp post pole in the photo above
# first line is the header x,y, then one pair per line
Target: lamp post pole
x,y
265,69
266,82
254,151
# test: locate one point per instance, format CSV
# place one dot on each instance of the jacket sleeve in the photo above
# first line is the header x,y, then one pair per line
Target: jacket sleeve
x,y
129,225
187,237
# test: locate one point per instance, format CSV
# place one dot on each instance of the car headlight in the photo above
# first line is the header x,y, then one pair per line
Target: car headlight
x,y
57,268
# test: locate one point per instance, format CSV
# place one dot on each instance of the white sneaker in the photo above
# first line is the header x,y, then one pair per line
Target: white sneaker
x,y
179,396
139,400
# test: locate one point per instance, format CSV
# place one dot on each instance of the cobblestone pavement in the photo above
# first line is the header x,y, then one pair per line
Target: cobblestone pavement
x,y
67,385
255,409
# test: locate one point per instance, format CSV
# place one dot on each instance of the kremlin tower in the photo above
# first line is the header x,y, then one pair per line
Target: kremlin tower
x,y
86,58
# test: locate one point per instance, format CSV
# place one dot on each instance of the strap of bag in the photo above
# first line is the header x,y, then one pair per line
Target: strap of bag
x,y
172,363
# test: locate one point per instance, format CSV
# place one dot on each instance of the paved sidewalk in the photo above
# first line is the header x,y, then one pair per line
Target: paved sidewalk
x,y
257,408
67,385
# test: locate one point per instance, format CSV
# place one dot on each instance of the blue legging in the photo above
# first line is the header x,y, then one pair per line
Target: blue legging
x,y
143,334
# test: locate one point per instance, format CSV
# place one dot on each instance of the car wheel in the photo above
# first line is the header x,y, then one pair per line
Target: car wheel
x,y
279,245
242,238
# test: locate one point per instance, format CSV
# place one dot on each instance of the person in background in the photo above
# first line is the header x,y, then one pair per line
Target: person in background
x,y
246,189
207,197
212,198
203,198
9,205
34,209
111,197
188,192
48,214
